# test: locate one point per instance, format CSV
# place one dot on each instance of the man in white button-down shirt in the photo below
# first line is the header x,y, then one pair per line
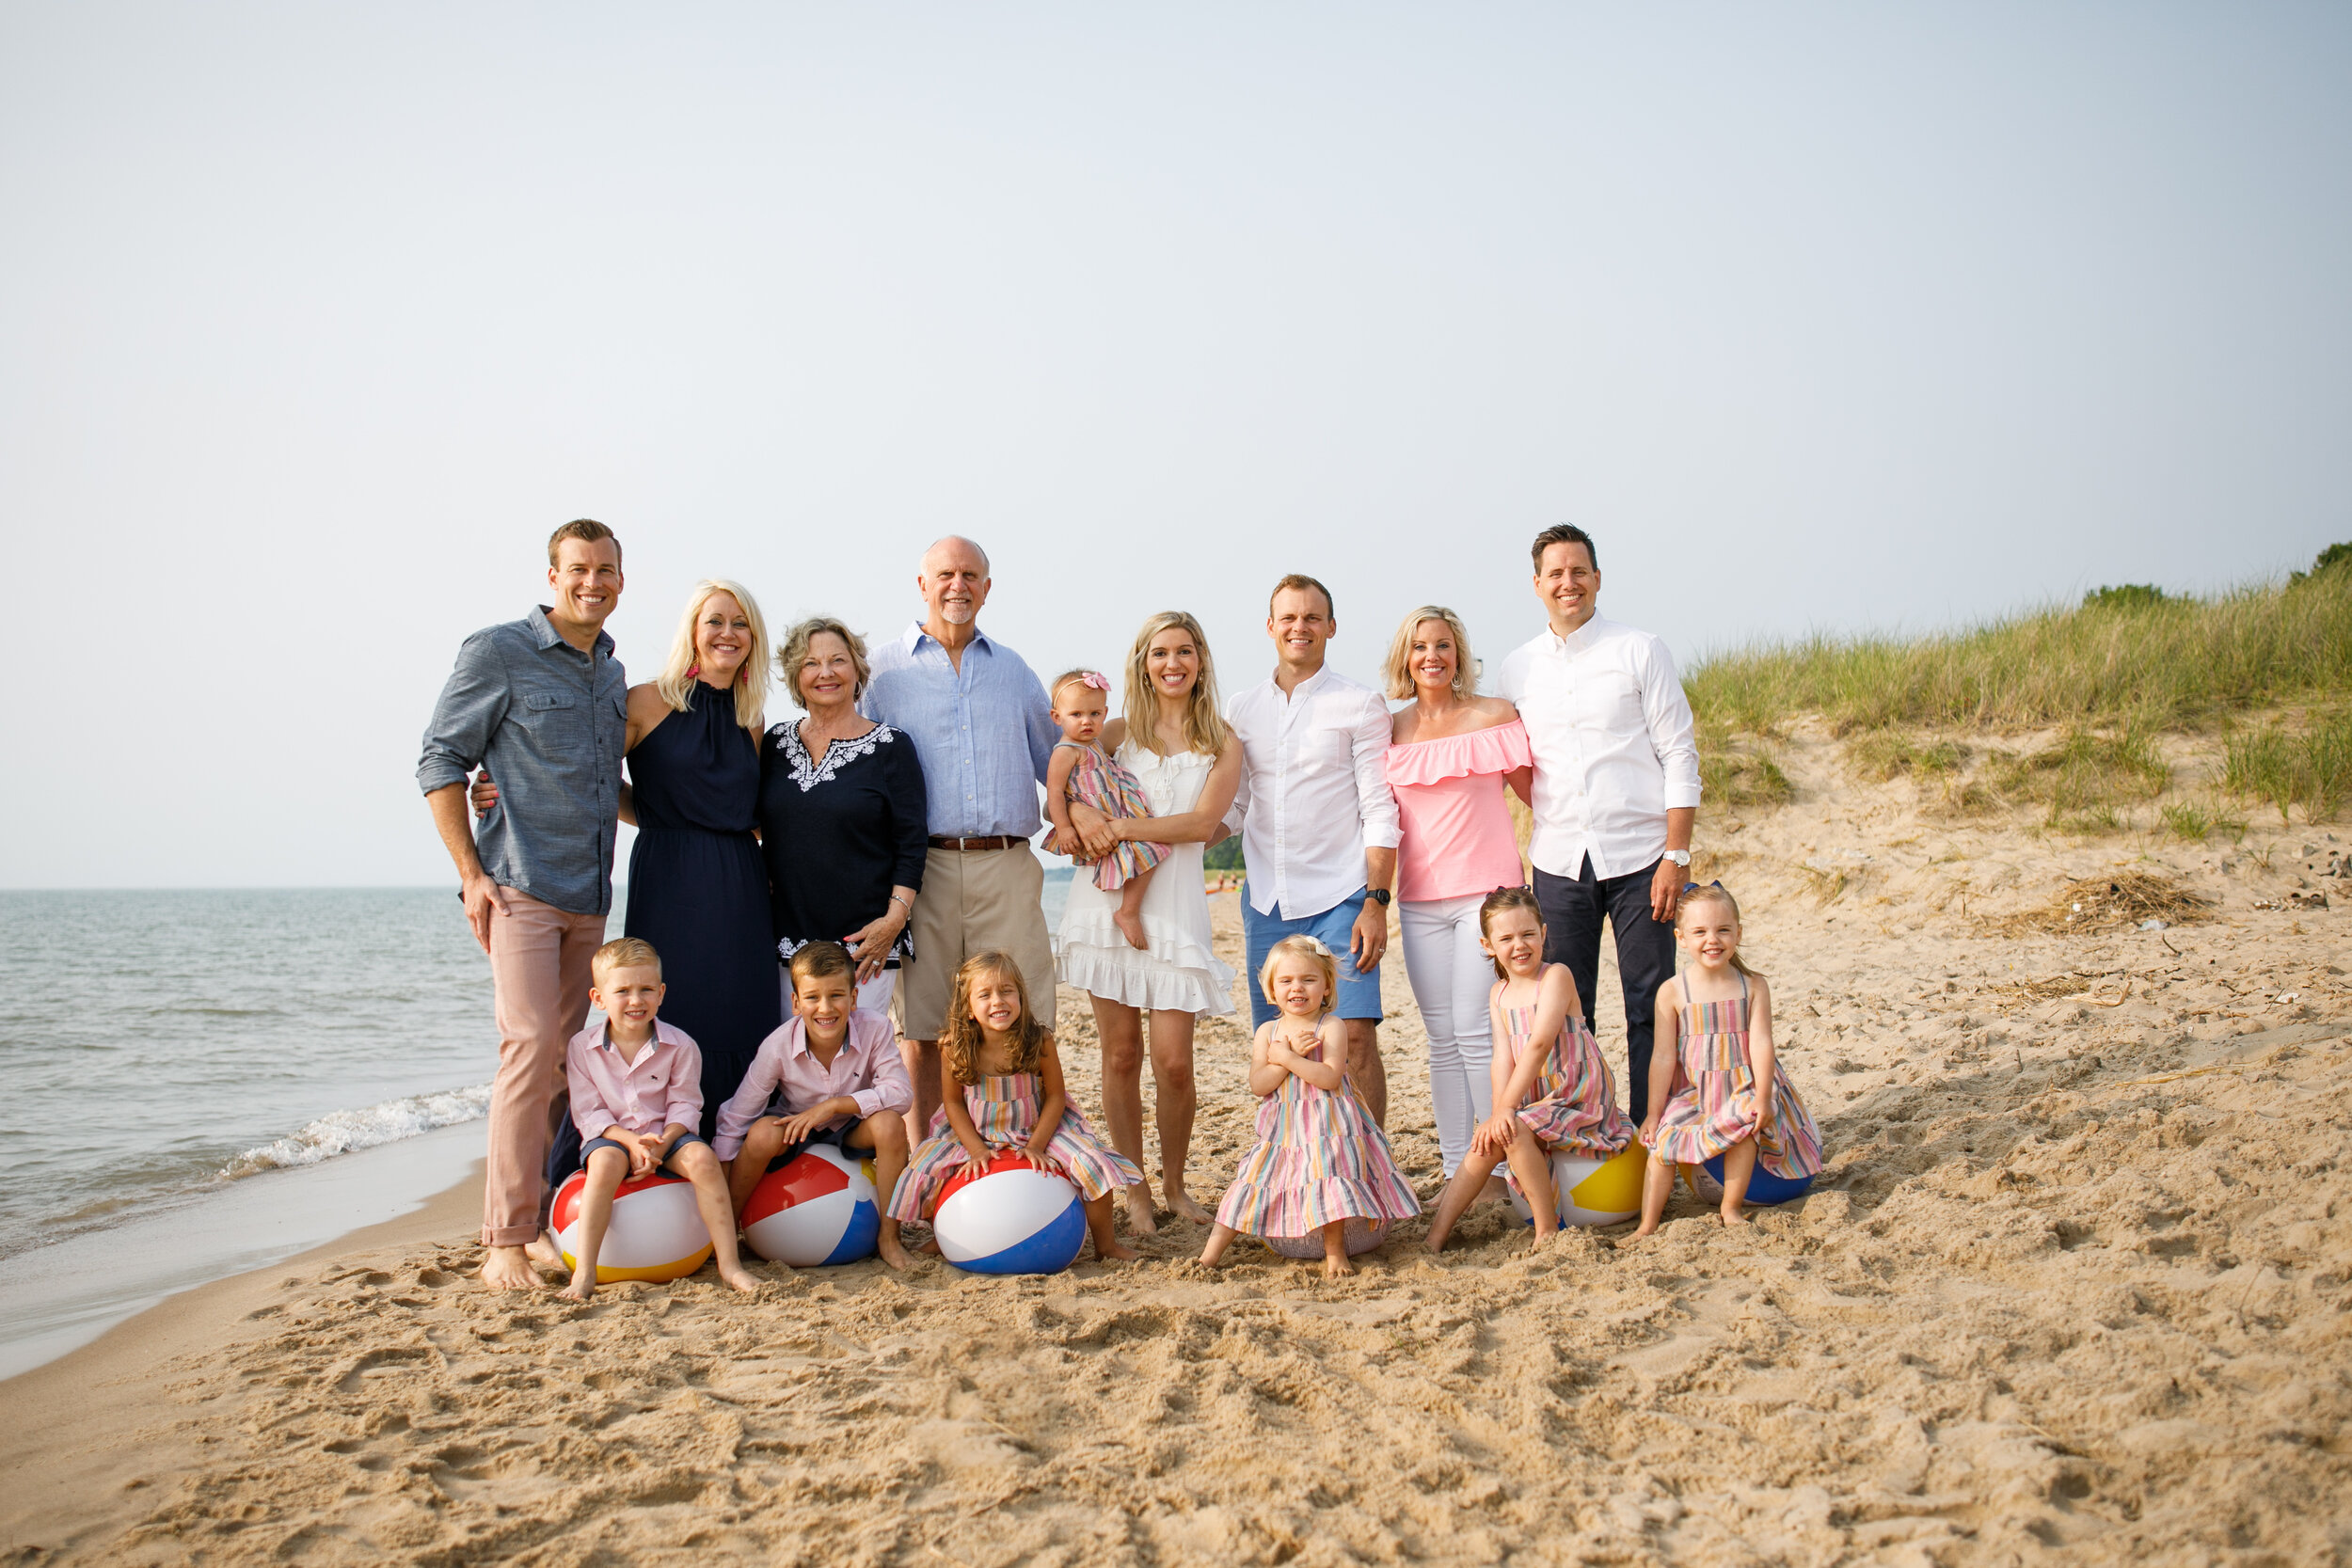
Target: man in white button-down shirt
x,y
1616,790
1317,823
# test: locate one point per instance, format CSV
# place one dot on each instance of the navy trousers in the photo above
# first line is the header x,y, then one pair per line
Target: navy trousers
x,y
1573,910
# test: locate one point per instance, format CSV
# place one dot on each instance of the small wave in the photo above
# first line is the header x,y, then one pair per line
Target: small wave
x,y
343,1131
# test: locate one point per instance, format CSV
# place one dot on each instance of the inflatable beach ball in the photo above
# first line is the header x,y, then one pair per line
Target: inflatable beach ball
x,y
1594,1192
1011,1216
1359,1235
656,1233
818,1208
1764,1188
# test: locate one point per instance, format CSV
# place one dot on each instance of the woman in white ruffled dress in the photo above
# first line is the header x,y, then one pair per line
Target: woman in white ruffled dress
x,y
1175,742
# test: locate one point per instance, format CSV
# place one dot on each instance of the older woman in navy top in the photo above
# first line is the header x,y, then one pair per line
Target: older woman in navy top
x,y
842,814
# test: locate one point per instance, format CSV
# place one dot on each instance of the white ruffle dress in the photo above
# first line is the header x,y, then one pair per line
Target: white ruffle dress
x,y
1178,973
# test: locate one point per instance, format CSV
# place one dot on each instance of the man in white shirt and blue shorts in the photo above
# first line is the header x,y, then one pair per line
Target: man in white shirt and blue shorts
x,y
1616,790
1317,823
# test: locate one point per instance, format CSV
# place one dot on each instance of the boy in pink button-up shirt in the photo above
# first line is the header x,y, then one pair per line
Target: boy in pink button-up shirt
x,y
842,1080
637,1097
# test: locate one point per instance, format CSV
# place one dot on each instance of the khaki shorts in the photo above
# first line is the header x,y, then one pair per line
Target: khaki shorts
x,y
973,900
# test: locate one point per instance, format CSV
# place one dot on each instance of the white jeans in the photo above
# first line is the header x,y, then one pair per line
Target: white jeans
x,y
1452,980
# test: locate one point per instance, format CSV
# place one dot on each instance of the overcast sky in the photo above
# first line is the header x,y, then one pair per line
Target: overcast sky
x,y
316,320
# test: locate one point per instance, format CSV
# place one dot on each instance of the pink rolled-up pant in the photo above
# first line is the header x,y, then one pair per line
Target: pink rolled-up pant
x,y
539,991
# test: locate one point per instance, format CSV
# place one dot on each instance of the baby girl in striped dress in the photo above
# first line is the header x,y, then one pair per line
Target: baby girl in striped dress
x,y
1321,1159
1080,770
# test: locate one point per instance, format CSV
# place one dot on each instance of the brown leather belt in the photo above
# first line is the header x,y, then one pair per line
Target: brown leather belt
x,y
1002,841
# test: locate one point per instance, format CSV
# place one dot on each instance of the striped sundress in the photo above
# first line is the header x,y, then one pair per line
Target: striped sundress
x,y
1004,1110
1099,782
1572,1105
1713,1100
1320,1157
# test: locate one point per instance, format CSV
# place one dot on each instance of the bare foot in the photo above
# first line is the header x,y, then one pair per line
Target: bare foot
x,y
1495,1191
1109,1250
930,1246
1137,1202
741,1278
1131,926
1642,1231
892,1254
583,1285
1208,1263
544,1252
1433,1244
508,1268
1182,1202
1337,1268
1733,1216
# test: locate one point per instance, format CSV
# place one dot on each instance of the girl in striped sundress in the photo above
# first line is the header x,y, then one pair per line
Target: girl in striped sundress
x,y
1321,1160
1722,1090
1001,1087
1552,1089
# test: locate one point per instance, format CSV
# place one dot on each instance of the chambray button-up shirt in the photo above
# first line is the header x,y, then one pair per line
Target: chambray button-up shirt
x,y
552,721
984,732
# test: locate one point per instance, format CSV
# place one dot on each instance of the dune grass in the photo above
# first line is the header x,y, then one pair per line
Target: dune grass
x,y
2122,661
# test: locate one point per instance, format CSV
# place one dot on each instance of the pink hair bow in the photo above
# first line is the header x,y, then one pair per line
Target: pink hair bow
x,y
1096,679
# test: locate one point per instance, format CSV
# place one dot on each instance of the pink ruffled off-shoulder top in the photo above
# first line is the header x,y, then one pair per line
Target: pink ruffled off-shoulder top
x,y
1449,792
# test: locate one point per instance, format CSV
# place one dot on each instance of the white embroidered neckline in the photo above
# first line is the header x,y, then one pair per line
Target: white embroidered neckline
x,y
808,773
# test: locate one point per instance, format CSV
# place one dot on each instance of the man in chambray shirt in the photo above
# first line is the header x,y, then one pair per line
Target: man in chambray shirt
x,y
980,722
544,703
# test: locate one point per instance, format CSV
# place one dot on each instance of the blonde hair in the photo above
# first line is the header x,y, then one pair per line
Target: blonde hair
x,y
676,683
1306,947
625,953
962,1037
1052,692
1715,892
795,653
1204,727
1397,670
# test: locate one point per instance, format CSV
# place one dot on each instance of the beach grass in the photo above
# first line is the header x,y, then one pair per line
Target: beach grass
x,y
2141,660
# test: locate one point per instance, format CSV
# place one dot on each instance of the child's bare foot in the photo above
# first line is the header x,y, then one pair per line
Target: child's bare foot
x,y
1182,1202
1648,1227
930,1247
1109,1250
1336,1266
1137,1202
1131,926
1495,1191
1433,1244
508,1268
544,1252
741,1278
1733,1216
893,1253
583,1285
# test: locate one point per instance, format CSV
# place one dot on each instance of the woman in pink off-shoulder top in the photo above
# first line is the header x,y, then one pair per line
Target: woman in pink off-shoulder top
x,y
1449,757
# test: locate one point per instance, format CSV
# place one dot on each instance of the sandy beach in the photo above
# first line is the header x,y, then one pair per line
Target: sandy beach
x,y
2074,1287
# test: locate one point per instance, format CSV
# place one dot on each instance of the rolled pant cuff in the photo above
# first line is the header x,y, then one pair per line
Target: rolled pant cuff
x,y
509,1235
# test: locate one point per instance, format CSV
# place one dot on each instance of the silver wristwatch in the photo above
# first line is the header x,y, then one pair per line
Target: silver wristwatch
x,y
1681,857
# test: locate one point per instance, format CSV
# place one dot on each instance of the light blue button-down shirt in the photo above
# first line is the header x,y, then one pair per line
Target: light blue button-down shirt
x,y
984,732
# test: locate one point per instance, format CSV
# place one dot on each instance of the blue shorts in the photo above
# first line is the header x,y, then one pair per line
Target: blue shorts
x,y
594,1144
1359,992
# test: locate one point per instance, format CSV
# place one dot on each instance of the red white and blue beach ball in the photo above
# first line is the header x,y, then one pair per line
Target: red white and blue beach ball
x,y
818,1208
1011,1216
657,1232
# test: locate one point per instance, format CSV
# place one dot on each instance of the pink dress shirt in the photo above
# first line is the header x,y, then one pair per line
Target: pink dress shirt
x,y
662,1084
1457,837
868,1068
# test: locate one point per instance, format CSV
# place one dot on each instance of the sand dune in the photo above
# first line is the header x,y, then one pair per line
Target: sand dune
x,y
2072,1288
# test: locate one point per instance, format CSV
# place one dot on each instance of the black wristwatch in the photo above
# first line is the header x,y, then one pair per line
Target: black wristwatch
x,y
1380,895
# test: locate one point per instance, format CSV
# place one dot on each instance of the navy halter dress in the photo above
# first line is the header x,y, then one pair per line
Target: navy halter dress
x,y
698,890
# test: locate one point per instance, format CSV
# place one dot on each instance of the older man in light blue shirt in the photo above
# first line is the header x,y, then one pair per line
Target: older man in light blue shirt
x,y
979,720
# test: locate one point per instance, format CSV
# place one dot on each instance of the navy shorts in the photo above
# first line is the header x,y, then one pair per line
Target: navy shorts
x,y
594,1144
1360,993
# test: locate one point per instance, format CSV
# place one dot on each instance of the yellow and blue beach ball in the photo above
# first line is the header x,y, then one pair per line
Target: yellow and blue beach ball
x,y
1593,1191
1011,1216
816,1208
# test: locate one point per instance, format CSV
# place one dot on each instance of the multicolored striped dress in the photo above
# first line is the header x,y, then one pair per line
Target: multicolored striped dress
x,y
1713,1099
1572,1105
1099,782
1004,1110
1320,1157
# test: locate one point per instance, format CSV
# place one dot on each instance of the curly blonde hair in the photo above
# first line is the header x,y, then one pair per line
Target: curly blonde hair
x,y
962,1039
795,653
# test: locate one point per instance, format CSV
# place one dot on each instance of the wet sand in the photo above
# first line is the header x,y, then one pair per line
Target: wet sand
x,y
2073,1287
